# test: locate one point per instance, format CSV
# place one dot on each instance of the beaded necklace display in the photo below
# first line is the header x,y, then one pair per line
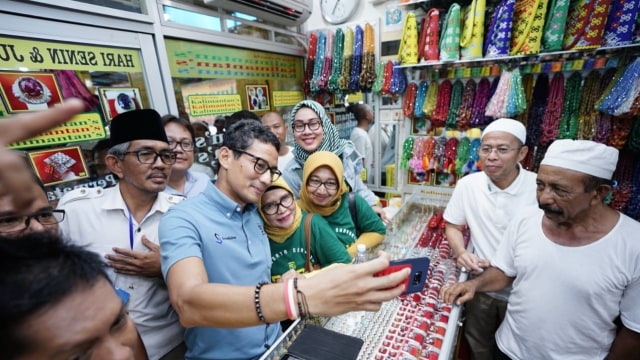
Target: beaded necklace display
x,y
438,158
462,156
620,128
407,152
622,177
388,74
420,96
480,102
587,112
377,85
356,60
398,80
328,61
442,105
496,107
516,100
621,90
336,63
409,100
468,95
454,105
416,162
553,113
432,97
633,205
428,151
318,62
603,121
450,154
343,82
536,115
568,127
368,74
473,165
527,86
311,56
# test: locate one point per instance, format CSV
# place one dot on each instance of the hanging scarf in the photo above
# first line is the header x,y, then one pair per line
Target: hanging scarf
x,y
450,38
473,30
585,24
499,35
319,159
275,233
331,140
553,32
528,23
430,51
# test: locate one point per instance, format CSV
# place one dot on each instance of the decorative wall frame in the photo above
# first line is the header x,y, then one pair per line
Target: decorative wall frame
x,y
118,100
54,166
29,91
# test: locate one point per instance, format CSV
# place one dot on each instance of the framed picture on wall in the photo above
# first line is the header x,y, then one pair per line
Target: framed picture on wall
x,y
29,91
55,166
257,97
116,101
332,116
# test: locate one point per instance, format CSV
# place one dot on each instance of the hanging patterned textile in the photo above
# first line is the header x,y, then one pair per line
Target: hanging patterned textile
x,y
497,105
473,30
585,24
311,56
368,74
72,87
528,23
498,39
619,98
621,22
554,26
468,96
336,65
430,51
450,37
408,52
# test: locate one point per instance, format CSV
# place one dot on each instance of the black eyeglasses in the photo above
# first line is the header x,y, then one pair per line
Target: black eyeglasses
x,y
313,124
329,184
261,165
273,207
10,224
150,156
186,145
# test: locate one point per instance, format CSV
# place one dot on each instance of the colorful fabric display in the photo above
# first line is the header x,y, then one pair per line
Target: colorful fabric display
x,y
496,107
554,25
418,110
311,57
398,80
499,36
347,53
431,100
585,24
450,37
619,99
431,48
336,65
621,21
318,63
368,73
408,52
328,60
356,60
528,23
473,30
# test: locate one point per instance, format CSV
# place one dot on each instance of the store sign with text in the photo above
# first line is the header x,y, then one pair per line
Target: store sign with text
x,y
32,54
82,127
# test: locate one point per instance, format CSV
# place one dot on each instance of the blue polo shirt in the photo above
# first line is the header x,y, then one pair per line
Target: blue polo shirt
x,y
234,248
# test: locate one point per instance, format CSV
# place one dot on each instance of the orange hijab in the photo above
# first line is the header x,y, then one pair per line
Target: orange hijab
x,y
316,160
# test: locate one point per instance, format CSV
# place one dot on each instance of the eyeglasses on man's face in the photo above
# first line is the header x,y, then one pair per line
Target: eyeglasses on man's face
x,y
185,145
313,125
150,156
501,150
11,224
261,165
316,183
273,207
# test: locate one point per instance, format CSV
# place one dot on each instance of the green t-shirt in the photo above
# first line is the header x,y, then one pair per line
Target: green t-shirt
x,y
326,249
368,220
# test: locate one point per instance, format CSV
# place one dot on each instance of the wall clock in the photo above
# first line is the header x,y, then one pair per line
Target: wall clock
x,y
338,11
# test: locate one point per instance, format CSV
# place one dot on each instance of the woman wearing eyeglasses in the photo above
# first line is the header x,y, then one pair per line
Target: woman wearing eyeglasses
x,y
184,180
284,224
326,193
313,131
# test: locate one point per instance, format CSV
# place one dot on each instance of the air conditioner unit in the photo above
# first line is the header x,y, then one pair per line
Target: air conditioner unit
x,y
283,12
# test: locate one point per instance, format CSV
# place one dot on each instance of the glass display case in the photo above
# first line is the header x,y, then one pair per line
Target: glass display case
x,y
413,326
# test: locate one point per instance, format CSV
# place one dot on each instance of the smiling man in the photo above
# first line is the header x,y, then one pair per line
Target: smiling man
x,y
121,224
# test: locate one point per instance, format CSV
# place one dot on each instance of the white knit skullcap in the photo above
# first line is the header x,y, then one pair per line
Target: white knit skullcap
x,y
510,126
585,156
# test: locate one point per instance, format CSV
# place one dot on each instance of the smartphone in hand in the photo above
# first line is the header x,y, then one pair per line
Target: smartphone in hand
x,y
415,281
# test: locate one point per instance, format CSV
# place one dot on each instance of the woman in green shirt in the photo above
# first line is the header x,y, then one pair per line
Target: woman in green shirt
x,y
284,224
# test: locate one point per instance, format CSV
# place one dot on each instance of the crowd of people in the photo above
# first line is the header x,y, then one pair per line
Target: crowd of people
x,y
168,264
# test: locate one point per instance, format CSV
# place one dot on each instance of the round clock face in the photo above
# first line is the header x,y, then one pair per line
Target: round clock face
x,y
338,11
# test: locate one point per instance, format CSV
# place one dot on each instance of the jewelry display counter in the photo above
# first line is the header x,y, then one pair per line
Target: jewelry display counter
x,y
413,326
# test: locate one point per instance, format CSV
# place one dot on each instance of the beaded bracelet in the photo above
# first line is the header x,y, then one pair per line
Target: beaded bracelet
x,y
256,301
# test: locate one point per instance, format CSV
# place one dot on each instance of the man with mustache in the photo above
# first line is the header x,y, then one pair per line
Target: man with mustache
x,y
573,263
121,224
